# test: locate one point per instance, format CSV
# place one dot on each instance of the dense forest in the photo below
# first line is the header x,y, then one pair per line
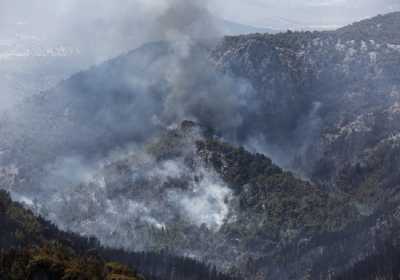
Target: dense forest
x,y
384,266
32,248
304,184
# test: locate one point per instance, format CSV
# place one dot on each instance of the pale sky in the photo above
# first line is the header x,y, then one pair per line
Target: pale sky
x,y
277,13
115,26
261,13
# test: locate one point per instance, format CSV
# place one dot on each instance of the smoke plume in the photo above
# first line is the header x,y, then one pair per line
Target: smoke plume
x,y
79,149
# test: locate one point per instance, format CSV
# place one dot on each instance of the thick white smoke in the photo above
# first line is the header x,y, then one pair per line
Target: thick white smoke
x,y
77,157
124,198
65,143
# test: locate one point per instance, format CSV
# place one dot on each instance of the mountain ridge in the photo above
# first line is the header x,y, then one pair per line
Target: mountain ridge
x,y
322,104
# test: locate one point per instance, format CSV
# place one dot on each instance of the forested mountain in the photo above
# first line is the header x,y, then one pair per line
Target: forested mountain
x,y
32,248
380,266
268,156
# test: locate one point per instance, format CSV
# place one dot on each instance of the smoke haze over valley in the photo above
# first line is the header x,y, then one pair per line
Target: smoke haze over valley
x,y
270,155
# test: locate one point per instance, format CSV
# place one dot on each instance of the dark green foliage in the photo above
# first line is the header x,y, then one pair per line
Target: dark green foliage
x,y
382,266
270,206
380,28
236,165
163,265
32,248
54,261
278,196
376,178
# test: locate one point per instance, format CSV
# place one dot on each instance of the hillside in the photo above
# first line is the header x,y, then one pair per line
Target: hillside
x,y
32,248
266,155
329,98
27,251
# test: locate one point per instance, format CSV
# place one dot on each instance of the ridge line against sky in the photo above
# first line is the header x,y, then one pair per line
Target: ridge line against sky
x,y
118,26
274,14
298,14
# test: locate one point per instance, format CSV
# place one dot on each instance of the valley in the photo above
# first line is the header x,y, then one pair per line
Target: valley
x,y
261,156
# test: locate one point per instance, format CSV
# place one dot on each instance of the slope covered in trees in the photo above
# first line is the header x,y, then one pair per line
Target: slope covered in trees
x,y
384,266
53,262
32,248
323,104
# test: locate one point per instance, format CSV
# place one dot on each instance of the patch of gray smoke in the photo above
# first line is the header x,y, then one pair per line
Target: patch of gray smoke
x,y
197,90
186,20
200,93
129,98
129,201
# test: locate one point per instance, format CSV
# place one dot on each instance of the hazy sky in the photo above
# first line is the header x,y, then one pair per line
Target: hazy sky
x,y
302,12
109,27
263,13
